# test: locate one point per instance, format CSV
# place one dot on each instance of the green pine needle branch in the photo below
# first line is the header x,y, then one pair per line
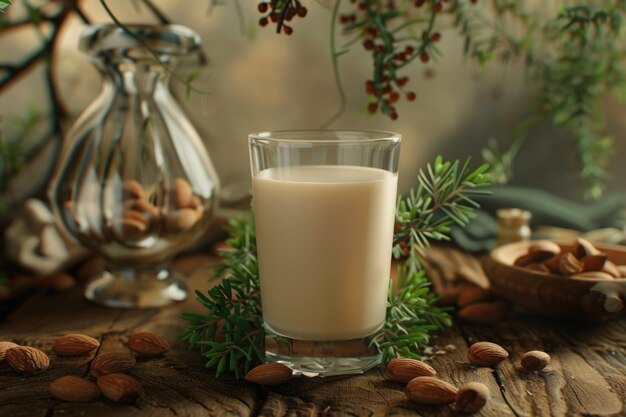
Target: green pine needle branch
x,y
229,332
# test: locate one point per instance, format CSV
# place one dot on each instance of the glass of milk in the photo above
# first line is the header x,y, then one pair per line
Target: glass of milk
x,y
324,207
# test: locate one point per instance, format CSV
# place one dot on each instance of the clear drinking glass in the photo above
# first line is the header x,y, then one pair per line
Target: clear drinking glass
x,y
324,207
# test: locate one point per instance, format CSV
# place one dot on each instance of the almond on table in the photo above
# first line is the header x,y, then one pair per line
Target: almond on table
x,y
74,389
269,374
405,369
28,360
430,390
486,354
74,345
147,344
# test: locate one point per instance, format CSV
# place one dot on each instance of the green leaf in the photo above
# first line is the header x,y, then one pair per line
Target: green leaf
x,y
4,4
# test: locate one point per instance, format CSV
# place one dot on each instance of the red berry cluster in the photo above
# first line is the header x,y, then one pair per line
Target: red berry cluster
x,y
389,55
279,12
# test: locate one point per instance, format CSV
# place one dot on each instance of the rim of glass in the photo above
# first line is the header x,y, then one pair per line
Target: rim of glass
x,y
325,136
181,40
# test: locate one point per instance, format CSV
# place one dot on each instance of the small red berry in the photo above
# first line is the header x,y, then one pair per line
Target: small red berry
x,y
419,3
409,50
372,107
410,96
287,29
402,81
368,44
371,32
263,21
370,88
435,37
385,79
274,16
394,97
387,89
362,6
438,7
473,1
400,57
262,7
394,116
424,57
302,11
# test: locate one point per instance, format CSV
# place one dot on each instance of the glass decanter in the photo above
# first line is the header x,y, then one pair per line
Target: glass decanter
x,y
135,182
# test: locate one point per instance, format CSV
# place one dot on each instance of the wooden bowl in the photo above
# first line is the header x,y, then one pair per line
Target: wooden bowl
x,y
556,295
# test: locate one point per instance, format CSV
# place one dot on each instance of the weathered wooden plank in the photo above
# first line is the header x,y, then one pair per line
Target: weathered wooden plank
x,y
174,384
585,376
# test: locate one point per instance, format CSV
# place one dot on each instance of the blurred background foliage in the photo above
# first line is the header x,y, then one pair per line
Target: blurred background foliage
x,y
533,87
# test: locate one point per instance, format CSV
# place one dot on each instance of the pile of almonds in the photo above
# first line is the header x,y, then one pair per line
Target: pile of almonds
x,y
139,213
480,306
583,260
475,305
106,368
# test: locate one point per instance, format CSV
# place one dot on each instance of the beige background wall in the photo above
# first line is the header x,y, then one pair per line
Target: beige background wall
x,y
277,82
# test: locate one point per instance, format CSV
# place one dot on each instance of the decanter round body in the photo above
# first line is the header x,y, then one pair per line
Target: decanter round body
x,y
135,182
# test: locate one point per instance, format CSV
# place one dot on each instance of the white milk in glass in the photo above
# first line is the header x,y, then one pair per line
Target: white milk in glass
x,y
324,237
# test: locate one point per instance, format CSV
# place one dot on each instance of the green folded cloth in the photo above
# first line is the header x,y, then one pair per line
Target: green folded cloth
x,y
546,209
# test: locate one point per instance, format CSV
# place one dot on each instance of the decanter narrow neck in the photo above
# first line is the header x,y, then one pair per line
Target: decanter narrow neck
x,y
136,80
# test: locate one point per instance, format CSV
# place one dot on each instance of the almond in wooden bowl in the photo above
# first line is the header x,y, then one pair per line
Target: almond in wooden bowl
x,y
585,296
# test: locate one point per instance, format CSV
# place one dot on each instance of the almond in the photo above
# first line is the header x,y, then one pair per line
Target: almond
x,y
112,362
611,269
27,359
544,248
131,189
119,388
594,262
531,258
181,220
74,389
593,275
57,281
553,264
471,397
269,374
4,346
583,248
524,260
569,265
474,295
448,296
541,268
535,360
181,193
74,345
405,369
430,390
147,344
486,354
89,268
483,313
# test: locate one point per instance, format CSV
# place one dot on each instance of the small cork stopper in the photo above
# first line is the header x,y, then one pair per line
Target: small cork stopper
x,y
513,217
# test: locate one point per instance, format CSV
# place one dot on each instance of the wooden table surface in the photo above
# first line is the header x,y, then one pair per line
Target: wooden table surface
x,y
586,377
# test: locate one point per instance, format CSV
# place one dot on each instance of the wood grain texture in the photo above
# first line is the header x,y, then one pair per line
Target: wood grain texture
x,y
587,375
